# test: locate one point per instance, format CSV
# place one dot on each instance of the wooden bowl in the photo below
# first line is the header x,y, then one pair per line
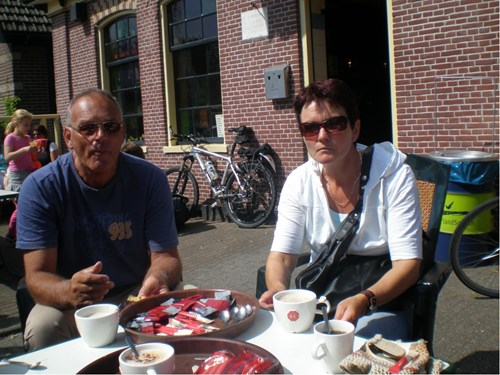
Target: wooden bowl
x,y
230,330
189,351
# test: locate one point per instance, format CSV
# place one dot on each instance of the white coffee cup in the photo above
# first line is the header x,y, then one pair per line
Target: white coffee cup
x,y
295,309
164,362
331,349
97,324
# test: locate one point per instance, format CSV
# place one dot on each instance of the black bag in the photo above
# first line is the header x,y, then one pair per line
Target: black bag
x,y
350,276
181,211
335,275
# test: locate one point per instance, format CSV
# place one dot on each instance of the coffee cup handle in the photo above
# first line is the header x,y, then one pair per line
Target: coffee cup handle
x,y
324,301
316,353
151,371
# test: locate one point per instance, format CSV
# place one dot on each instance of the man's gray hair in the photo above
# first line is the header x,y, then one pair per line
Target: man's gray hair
x,y
89,92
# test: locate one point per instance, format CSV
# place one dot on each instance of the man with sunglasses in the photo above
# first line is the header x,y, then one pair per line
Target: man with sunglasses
x,y
318,195
96,225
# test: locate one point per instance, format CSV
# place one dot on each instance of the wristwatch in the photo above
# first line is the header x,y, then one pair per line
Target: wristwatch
x,y
372,300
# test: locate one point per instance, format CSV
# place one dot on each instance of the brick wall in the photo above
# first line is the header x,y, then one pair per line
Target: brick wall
x,y
62,77
242,76
6,72
25,65
152,81
31,78
434,40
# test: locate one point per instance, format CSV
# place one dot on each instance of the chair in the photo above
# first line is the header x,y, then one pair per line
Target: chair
x,y
24,303
432,179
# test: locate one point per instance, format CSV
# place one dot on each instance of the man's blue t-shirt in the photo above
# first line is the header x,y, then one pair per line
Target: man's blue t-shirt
x,y
117,224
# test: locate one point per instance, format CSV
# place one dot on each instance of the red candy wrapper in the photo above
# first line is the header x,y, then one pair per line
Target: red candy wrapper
x,y
213,364
181,317
224,362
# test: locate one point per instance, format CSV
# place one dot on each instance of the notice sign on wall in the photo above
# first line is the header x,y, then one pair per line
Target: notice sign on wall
x,y
254,24
219,122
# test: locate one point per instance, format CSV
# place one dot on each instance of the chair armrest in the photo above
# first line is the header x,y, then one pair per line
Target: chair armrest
x,y
434,278
24,302
261,286
426,295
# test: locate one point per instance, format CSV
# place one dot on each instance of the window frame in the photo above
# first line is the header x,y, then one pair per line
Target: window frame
x,y
104,70
169,79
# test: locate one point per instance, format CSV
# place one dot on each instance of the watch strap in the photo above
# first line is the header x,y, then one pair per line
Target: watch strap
x,y
372,299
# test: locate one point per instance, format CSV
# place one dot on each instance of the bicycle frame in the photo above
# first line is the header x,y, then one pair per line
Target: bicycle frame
x,y
217,187
246,187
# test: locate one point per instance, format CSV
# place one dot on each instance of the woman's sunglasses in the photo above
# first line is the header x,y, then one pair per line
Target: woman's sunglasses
x,y
332,125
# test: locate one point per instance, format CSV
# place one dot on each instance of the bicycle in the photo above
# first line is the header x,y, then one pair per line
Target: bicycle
x,y
246,189
474,254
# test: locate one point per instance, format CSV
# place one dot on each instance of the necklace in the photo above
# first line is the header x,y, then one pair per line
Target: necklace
x,y
348,200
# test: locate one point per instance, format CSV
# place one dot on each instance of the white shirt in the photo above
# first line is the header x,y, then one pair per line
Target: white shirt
x,y
390,220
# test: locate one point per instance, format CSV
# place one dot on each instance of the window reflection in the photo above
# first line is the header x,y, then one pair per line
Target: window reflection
x,y
123,71
208,6
193,8
195,53
193,30
210,26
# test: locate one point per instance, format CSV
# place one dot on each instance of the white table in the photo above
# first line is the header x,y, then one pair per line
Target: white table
x,y
292,350
7,194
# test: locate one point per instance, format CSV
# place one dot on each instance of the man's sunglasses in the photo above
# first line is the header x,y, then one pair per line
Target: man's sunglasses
x,y
90,129
332,125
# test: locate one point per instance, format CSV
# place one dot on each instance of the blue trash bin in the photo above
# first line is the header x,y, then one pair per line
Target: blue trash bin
x,y
471,182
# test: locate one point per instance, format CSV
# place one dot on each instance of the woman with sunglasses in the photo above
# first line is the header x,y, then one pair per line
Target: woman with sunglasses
x,y
318,195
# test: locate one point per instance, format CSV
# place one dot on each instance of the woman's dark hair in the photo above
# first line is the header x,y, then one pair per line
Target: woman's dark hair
x,y
332,91
41,129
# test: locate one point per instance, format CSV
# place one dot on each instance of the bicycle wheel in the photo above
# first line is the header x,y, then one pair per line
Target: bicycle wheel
x,y
474,255
251,204
184,185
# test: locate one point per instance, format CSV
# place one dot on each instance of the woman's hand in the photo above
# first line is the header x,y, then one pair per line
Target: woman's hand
x,y
352,308
279,268
266,299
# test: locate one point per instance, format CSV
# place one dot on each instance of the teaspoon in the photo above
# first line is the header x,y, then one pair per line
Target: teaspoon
x,y
234,312
224,316
28,365
241,314
249,309
327,328
131,344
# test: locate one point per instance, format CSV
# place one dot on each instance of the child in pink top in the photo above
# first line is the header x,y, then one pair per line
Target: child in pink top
x,y
18,148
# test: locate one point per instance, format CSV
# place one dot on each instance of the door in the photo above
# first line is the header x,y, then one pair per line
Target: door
x,y
357,52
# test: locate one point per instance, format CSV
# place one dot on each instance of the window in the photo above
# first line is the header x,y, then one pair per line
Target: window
x,y
122,62
194,47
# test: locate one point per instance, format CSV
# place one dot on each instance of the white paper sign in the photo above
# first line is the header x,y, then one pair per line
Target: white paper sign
x,y
219,121
254,24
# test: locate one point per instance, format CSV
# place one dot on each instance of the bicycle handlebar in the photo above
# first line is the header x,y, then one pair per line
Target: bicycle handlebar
x,y
238,130
191,138
194,140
